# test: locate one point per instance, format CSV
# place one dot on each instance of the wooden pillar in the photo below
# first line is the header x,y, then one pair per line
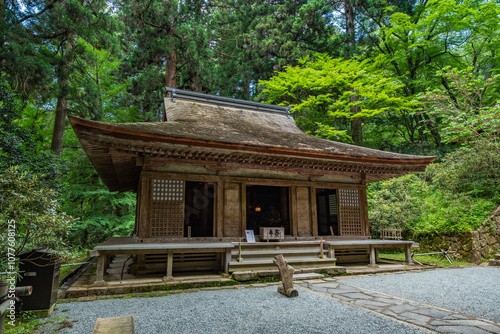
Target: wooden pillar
x,y
314,211
170,263
373,257
232,210
227,260
340,216
144,230
243,209
137,207
219,199
101,267
331,252
303,211
363,201
293,207
408,254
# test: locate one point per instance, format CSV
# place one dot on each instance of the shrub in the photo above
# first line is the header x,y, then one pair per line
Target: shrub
x,y
37,216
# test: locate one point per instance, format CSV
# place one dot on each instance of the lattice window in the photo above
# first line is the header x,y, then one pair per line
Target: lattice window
x,y
350,212
167,217
332,204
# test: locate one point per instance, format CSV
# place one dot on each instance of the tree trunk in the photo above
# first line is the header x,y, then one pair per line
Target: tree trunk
x,y
349,27
171,58
356,123
63,82
357,128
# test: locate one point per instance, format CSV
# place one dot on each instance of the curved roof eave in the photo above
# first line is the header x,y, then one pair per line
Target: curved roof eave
x,y
116,131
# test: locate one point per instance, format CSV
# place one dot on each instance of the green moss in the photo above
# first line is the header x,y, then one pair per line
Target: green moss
x,y
26,322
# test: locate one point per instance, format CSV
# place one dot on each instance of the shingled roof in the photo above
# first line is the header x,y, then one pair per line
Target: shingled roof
x,y
230,127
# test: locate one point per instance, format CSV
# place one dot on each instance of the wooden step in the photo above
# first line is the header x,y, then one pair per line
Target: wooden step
x,y
267,263
124,325
275,252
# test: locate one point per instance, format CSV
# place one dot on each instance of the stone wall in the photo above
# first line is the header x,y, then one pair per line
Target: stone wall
x,y
472,246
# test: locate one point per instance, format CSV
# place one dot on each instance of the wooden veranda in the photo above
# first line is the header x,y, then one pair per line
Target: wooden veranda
x,y
238,256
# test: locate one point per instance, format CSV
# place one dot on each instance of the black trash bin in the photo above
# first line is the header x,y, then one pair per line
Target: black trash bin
x,y
38,269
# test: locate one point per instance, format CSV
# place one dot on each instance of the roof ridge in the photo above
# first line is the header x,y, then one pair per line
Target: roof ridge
x,y
226,101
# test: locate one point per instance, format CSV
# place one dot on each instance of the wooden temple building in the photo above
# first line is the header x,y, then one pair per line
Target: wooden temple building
x,y
218,167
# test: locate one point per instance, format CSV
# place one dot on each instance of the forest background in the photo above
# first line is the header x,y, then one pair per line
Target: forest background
x,y
416,77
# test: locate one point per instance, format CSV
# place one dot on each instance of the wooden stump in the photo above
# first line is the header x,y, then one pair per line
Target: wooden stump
x,y
122,325
286,271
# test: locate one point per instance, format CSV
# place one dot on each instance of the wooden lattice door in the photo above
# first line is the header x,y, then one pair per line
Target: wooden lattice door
x,y
350,217
167,216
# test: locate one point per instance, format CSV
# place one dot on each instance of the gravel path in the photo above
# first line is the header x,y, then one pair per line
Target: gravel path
x,y
251,310
472,291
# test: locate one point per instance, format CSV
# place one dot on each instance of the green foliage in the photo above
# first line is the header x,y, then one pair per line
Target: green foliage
x,y
322,89
18,143
39,221
469,107
109,61
29,323
101,214
472,172
419,205
258,38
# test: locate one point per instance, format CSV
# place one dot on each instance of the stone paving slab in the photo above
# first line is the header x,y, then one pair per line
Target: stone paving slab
x,y
424,316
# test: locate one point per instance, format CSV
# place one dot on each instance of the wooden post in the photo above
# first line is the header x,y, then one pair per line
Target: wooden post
x,y
101,266
219,199
321,254
227,260
170,264
314,211
243,207
331,251
286,271
293,206
363,202
373,258
240,259
408,254
144,229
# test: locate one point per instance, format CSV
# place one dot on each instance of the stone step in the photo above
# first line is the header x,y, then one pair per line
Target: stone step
x,y
497,256
301,277
304,272
494,263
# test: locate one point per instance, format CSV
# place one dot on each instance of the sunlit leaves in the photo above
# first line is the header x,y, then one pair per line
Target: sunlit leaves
x,y
325,85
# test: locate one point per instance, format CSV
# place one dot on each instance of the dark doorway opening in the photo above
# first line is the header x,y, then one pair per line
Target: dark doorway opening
x,y
326,201
267,206
199,210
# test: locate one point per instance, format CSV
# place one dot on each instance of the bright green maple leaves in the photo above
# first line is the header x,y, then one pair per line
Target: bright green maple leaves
x,y
323,85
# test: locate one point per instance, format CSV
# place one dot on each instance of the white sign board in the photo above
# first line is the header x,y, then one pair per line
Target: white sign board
x,y
250,235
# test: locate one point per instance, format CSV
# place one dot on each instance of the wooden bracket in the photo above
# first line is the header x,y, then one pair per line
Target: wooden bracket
x,y
143,160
